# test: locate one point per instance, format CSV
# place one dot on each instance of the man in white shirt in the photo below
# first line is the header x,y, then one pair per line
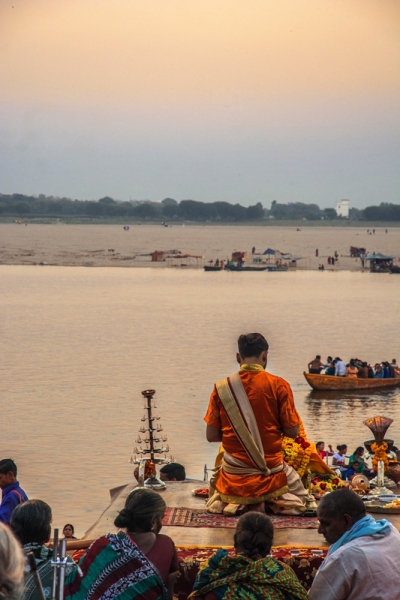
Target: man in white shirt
x,y
363,560
340,368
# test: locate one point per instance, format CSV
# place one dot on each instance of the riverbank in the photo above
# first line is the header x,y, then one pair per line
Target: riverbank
x,y
108,245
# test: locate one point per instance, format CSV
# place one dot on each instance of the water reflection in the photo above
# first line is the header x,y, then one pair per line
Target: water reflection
x,y
328,409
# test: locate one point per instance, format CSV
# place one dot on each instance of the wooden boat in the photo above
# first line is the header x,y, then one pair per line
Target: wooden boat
x,y
277,269
329,382
236,268
212,268
395,269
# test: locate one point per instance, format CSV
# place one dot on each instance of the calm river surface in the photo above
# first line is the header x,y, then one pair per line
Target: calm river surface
x,y
79,345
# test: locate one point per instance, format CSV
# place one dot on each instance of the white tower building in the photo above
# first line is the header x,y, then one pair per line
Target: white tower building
x,y
342,208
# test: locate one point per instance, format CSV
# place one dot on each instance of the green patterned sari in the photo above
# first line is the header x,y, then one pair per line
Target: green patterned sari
x,y
237,577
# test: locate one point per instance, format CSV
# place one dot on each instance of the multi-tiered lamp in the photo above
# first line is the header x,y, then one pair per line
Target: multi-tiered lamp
x,y
148,457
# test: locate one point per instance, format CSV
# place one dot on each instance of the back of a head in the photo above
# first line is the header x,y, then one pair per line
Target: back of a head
x,y
252,344
7,465
11,565
141,507
343,502
31,522
174,471
254,535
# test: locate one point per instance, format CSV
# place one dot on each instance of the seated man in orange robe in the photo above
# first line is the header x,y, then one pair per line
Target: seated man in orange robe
x,y
249,413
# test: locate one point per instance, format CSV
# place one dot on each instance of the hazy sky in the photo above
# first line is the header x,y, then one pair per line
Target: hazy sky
x,y
236,100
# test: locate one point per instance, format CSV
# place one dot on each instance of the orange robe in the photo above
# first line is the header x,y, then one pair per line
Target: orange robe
x,y
272,402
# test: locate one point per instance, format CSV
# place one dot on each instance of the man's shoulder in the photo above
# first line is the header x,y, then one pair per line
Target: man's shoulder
x,y
368,546
266,376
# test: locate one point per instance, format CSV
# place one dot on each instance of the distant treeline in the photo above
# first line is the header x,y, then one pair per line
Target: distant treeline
x,y
22,206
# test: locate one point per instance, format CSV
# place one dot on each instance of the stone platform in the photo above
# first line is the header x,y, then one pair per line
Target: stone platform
x,y
179,494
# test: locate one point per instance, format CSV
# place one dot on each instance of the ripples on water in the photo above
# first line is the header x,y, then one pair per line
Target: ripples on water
x,y
80,344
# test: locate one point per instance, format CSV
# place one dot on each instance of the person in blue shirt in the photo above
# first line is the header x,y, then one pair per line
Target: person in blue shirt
x,y
12,493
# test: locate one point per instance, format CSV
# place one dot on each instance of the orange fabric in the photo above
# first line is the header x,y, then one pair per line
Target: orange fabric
x,y
272,401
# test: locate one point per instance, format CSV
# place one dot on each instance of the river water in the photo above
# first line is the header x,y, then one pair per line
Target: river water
x,y
79,345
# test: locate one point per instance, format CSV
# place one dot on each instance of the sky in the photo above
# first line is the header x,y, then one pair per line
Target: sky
x,y
212,100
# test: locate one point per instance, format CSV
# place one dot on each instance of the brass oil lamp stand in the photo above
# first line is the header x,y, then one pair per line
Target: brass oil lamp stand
x,y
150,456
379,426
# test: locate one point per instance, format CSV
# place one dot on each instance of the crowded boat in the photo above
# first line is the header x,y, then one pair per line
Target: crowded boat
x,y
355,368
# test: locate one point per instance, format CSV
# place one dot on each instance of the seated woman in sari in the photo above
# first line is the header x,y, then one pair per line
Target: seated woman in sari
x,y
135,563
249,573
31,523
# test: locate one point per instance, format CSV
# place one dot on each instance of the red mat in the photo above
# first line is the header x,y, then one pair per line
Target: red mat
x,y
195,517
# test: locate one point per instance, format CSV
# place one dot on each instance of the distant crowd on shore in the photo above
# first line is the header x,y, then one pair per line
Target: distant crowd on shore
x,y
354,368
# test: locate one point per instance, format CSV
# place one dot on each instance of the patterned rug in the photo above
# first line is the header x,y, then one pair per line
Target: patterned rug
x,y
195,517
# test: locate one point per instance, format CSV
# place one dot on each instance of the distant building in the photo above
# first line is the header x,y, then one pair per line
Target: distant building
x,y
342,208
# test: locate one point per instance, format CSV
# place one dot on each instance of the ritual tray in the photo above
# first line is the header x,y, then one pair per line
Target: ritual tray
x,y
395,510
201,492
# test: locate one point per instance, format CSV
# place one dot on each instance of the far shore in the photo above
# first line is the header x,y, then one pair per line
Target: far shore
x,y
71,220
130,245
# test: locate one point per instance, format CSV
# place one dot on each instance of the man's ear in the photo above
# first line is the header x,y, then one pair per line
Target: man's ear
x,y
348,520
238,358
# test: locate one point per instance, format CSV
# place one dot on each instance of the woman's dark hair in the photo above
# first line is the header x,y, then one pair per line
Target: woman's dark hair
x,y
341,447
141,507
31,522
252,344
254,535
69,525
359,450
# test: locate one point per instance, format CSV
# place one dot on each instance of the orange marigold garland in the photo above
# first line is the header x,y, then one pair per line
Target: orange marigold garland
x,y
297,453
379,451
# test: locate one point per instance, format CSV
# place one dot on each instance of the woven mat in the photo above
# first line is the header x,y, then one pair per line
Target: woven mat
x,y
195,517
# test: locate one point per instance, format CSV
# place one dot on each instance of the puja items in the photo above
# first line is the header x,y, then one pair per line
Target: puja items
x,y
382,456
322,484
152,435
360,484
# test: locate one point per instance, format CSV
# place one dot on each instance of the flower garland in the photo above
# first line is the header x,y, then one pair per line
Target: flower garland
x,y
379,451
297,453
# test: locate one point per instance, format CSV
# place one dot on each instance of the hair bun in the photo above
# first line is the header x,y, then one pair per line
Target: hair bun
x,y
124,518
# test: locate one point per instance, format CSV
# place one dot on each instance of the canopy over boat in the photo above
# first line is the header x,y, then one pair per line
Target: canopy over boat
x,y
330,382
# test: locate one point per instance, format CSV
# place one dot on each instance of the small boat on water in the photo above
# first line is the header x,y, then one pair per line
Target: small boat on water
x,y
239,268
395,269
277,268
212,268
330,382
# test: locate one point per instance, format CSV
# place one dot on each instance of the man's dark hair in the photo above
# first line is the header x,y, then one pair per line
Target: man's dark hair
x,y
7,465
319,443
174,471
252,344
31,522
318,356
343,502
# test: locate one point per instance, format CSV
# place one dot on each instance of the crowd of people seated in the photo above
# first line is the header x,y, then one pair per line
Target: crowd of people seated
x,y
354,368
137,561
347,465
